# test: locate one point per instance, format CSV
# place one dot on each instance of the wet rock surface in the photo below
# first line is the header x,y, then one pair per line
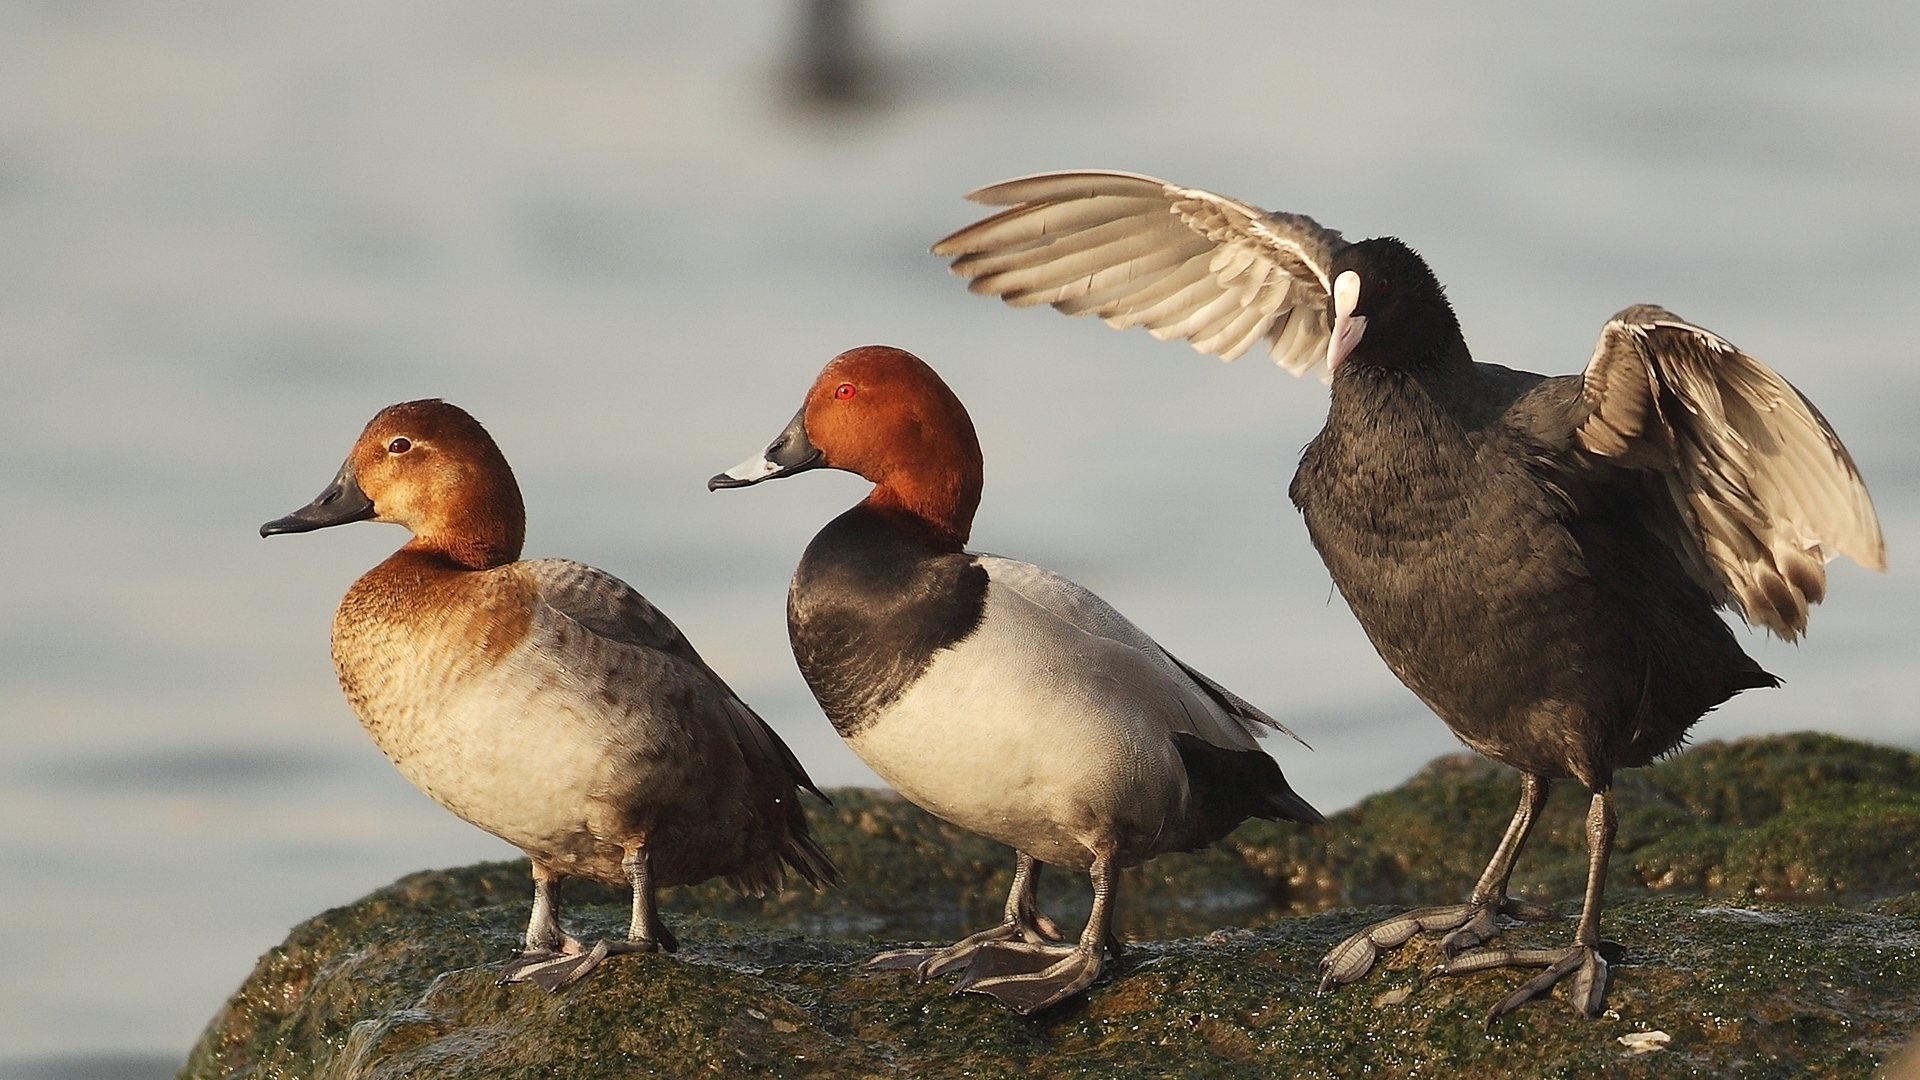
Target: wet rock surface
x,y
1763,890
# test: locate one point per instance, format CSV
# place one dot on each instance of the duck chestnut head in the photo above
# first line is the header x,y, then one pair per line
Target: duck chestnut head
x,y
882,414
432,468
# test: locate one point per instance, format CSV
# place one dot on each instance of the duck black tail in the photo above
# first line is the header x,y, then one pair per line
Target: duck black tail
x,y
1230,786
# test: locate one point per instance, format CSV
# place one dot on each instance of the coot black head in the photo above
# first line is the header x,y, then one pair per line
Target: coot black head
x,y
1538,558
1388,309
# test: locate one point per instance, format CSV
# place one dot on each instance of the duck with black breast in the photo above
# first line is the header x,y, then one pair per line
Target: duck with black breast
x,y
994,694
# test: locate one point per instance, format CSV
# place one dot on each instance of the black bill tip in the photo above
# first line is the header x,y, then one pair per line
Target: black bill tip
x,y
340,504
792,452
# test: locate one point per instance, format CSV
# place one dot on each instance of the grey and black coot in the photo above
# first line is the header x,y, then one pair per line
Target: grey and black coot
x,y
1539,559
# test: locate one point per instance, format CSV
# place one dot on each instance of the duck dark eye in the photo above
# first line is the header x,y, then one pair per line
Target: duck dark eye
x,y
400,445
844,391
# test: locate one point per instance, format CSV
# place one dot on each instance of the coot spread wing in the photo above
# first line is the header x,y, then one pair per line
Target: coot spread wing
x,y
1766,492
1538,558
1137,251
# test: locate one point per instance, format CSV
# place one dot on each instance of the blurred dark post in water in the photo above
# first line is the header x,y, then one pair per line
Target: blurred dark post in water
x,y
834,69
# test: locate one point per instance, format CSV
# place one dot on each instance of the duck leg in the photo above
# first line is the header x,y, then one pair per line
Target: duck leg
x,y
1023,922
645,933
546,942
1472,923
1585,961
1029,976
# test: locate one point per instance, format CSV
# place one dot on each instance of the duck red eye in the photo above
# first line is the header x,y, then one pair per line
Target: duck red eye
x,y
844,391
400,445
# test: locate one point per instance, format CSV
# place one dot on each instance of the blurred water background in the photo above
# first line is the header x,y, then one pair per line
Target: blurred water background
x,y
622,236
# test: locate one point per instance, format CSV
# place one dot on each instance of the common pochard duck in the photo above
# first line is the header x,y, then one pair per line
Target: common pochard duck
x,y
1538,558
998,696
545,701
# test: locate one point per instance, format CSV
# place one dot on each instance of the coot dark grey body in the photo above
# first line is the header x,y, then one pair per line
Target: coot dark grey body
x,y
1506,576
1539,559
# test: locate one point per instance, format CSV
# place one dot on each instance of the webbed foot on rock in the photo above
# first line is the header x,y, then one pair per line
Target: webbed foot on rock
x,y
933,963
1027,978
554,971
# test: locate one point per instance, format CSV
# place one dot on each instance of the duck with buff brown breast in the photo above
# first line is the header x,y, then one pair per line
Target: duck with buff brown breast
x,y
545,701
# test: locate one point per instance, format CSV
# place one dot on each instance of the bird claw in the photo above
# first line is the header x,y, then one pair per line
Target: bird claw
x,y
1476,931
927,964
554,971
1587,993
1473,923
1586,964
1348,961
1027,992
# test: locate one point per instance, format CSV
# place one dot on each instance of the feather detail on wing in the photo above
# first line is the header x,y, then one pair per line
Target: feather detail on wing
x,y
1212,712
610,608
1138,251
1765,493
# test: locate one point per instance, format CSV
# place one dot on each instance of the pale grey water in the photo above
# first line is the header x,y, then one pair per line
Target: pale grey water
x,y
230,232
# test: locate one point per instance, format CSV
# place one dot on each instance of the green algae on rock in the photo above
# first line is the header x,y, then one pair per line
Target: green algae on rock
x,y
401,983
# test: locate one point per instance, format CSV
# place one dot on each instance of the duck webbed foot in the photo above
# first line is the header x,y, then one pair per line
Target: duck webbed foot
x,y
933,963
530,960
1027,977
1023,923
1473,923
554,961
555,972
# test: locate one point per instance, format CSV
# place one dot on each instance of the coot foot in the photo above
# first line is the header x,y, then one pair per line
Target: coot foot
x,y
1472,923
1585,964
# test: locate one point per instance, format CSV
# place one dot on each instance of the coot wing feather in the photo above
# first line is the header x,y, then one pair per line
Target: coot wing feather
x,y
1138,251
1764,493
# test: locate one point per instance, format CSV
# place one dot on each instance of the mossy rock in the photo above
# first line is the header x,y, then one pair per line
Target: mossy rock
x,y
402,982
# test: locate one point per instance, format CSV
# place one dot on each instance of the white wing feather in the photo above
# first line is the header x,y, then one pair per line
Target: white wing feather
x,y
1138,251
1765,490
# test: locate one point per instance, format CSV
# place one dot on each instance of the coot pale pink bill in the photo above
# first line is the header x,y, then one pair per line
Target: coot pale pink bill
x,y
1539,559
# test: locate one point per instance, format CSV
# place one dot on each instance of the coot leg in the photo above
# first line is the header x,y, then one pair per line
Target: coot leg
x,y
1586,961
1023,922
1028,977
1472,923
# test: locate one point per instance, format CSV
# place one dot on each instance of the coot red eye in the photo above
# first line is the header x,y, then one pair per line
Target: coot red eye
x,y
400,445
844,391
